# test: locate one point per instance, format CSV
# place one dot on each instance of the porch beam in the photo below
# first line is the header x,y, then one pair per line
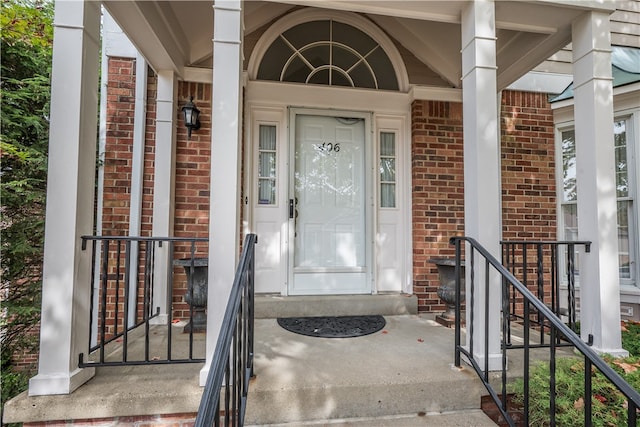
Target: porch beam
x,y
164,185
596,177
226,132
66,293
482,166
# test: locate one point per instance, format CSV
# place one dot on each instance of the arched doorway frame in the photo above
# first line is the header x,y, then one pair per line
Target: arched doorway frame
x,y
268,104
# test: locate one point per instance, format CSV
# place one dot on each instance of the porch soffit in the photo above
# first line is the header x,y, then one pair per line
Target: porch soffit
x,y
176,34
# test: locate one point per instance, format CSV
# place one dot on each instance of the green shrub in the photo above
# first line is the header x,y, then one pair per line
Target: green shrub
x,y
609,407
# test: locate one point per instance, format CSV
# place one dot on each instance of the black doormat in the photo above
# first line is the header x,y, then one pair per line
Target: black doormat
x,y
333,326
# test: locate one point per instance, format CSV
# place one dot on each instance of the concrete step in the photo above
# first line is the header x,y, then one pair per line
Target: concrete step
x,y
269,306
468,418
407,368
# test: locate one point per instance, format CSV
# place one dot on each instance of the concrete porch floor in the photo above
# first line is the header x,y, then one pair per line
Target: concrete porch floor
x,y
400,376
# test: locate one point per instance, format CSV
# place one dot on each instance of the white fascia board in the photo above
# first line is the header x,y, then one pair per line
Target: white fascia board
x,y
536,81
430,93
198,75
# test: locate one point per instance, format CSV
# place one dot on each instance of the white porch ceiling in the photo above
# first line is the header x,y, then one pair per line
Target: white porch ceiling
x,y
178,34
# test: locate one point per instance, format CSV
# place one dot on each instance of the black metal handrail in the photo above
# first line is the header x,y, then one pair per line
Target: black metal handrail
x,y
556,329
123,289
232,364
545,268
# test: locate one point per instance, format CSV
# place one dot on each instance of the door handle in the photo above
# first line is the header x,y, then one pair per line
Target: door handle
x,y
291,209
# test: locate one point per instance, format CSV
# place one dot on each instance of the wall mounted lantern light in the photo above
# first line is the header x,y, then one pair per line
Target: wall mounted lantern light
x,y
191,115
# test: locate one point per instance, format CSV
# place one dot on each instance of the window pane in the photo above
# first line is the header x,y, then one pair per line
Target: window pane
x,y
388,196
624,254
317,55
304,34
267,138
267,165
328,45
266,192
352,37
622,172
387,170
362,76
278,53
338,78
570,221
569,166
297,71
387,144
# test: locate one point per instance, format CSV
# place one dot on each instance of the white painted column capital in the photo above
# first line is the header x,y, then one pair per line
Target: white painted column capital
x,y
596,178
66,290
226,142
482,201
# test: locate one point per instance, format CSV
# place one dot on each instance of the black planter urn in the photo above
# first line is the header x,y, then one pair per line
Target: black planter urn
x,y
197,291
447,288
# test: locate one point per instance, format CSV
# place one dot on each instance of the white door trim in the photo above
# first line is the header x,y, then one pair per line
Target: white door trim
x,y
269,103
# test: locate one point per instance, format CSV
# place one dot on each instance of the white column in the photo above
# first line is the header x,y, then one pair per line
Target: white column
x,y
226,131
481,166
137,174
164,186
66,293
595,160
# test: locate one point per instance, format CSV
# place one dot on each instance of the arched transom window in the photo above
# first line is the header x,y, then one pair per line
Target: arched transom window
x,y
330,53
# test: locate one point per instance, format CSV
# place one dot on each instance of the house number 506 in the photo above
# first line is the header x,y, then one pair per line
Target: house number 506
x,y
329,147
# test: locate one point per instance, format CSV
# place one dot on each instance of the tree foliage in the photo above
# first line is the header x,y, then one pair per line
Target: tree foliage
x,y
26,44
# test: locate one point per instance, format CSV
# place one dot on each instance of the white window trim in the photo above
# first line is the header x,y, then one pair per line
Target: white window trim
x,y
632,117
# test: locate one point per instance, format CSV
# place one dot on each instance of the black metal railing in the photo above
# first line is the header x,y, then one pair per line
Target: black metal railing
x,y
125,312
549,270
232,364
478,259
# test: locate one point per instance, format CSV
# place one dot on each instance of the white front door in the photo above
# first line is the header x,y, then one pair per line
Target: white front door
x,y
327,206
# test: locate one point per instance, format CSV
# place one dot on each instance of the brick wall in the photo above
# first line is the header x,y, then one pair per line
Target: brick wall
x,y
528,167
528,180
193,174
438,192
119,141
